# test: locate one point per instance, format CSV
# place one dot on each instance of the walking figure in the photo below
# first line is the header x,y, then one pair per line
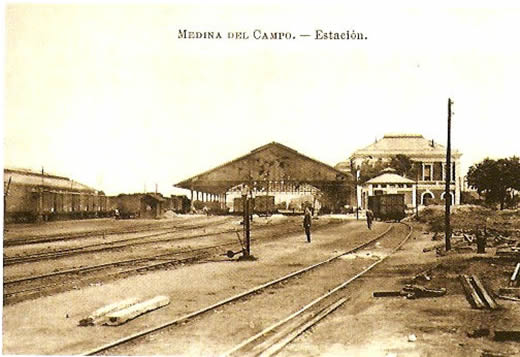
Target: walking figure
x,y
370,218
307,223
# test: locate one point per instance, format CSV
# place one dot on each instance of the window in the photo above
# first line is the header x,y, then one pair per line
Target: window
x,y
452,172
427,172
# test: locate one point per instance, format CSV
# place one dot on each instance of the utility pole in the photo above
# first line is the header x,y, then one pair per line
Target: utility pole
x,y
246,200
416,193
447,194
6,193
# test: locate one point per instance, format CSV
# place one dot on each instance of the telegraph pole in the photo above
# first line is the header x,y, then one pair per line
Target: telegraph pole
x,y
447,194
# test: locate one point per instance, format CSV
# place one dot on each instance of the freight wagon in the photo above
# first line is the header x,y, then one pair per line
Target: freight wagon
x,y
388,206
179,204
140,205
259,205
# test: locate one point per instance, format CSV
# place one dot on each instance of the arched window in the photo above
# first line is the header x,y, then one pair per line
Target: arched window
x,y
426,198
452,198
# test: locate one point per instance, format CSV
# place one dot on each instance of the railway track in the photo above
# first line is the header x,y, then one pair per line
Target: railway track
x,y
64,279
37,239
250,346
125,243
35,285
117,244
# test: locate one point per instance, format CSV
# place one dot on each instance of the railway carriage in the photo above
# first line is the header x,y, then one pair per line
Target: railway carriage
x,y
387,206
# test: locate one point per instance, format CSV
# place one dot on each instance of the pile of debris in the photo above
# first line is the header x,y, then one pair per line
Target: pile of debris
x,y
479,239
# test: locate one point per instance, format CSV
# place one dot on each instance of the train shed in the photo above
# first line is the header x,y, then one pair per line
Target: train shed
x,y
271,165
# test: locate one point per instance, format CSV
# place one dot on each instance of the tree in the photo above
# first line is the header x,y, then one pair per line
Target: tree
x,y
402,164
495,179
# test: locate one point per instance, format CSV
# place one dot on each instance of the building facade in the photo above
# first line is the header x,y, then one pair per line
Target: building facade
x,y
429,155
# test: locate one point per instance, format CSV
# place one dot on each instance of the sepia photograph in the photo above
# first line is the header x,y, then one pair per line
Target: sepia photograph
x,y
263,178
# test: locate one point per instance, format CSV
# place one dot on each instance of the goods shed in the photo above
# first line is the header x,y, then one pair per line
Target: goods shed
x,y
31,196
271,169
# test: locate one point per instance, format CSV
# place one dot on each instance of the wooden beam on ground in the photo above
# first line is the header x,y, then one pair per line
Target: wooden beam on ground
x,y
514,277
386,293
98,316
507,335
508,298
510,291
483,292
471,294
122,316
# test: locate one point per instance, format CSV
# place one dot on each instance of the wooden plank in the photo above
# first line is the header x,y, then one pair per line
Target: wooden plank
x,y
508,298
488,299
514,277
386,293
98,316
507,335
513,291
121,316
471,294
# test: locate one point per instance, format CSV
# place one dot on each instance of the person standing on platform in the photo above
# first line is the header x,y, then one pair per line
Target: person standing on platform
x,y
370,218
307,218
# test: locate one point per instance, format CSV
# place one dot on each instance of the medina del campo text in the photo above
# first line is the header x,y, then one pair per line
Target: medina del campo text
x,y
318,34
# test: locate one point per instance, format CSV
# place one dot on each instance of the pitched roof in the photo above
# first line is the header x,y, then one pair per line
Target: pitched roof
x,y
272,161
413,145
31,178
389,178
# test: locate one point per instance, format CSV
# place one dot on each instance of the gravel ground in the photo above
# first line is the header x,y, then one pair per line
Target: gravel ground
x,y
368,326
48,325
363,326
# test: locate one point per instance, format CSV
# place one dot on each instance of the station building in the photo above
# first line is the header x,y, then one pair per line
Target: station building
x,y
431,156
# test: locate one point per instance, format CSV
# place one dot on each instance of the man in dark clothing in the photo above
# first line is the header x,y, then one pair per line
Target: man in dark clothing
x,y
370,218
307,218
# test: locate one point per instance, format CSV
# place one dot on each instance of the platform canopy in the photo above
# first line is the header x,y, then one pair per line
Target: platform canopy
x,y
272,162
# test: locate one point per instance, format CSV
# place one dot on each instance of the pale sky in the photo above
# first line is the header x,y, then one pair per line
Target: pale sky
x,y
109,96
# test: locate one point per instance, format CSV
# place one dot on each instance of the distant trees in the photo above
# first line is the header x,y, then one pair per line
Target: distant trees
x,y
497,180
402,164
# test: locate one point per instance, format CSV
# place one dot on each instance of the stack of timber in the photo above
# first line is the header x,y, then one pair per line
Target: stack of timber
x,y
100,316
477,295
131,312
123,311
